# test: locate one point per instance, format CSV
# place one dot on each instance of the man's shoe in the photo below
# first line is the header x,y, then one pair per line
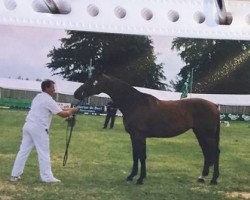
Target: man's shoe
x,y
53,180
15,178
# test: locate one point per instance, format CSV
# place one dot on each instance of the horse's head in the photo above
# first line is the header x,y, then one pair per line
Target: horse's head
x,y
92,86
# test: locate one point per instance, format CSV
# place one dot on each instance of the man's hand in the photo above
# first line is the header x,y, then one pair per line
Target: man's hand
x,y
67,112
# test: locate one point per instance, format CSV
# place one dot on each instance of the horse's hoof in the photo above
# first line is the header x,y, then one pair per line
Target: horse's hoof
x,y
201,180
139,182
212,182
129,178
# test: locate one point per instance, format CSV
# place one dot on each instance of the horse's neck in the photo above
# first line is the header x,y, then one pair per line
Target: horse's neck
x,y
124,95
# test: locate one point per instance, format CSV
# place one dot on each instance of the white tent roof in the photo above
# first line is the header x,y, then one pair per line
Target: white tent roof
x,y
225,99
17,84
222,99
68,88
62,87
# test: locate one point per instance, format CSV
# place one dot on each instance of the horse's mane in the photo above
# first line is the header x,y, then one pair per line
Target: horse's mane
x,y
130,91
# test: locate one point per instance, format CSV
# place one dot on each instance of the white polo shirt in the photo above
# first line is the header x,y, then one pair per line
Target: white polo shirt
x,y
42,108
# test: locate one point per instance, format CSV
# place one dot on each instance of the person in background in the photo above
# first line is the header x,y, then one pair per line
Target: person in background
x,y
35,133
111,114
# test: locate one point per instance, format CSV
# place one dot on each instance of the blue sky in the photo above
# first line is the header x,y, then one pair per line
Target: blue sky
x,y
23,52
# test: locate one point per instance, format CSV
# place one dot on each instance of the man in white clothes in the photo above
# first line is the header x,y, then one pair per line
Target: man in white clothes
x,y
35,133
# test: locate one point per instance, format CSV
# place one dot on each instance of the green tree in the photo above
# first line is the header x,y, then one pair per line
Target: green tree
x,y
127,57
220,66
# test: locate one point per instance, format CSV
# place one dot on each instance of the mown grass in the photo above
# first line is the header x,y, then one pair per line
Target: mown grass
x,y
100,159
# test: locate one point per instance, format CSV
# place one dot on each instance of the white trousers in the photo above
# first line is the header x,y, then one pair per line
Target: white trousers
x,y
38,137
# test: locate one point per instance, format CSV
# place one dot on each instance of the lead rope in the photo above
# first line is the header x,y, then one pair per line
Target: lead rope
x,y
71,123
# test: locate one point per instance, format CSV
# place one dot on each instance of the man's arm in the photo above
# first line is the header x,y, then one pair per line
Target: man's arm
x,y
67,112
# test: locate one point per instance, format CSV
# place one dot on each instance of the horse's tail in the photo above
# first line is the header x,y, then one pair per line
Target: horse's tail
x,y
218,133
218,138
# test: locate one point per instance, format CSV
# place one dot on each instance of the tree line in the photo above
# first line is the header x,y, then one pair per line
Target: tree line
x,y
219,66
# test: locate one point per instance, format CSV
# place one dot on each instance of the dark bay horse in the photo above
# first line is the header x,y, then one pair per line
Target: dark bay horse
x,y
146,116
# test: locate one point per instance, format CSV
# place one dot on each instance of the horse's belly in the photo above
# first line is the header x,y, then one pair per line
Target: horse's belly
x,y
166,133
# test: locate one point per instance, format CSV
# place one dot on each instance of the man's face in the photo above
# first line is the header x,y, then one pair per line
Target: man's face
x,y
51,90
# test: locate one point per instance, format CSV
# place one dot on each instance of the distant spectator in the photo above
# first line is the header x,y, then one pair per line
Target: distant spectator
x,y
111,114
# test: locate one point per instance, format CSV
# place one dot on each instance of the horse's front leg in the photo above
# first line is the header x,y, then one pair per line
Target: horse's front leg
x,y
140,145
135,162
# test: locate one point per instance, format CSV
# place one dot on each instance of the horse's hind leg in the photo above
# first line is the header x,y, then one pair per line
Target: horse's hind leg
x,y
215,159
216,169
205,150
215,153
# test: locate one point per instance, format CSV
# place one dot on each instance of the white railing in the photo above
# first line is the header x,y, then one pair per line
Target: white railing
x,y
218,19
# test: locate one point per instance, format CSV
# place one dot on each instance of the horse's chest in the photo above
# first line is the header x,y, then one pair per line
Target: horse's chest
x,y
135,125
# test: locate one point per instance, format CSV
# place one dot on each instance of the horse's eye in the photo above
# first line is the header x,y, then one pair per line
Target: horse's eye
x,y
95,82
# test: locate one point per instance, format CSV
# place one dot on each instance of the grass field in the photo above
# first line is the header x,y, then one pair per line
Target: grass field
x,y
100,160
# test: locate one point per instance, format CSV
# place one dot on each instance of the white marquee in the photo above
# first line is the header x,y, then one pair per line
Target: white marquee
x,y
68,88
